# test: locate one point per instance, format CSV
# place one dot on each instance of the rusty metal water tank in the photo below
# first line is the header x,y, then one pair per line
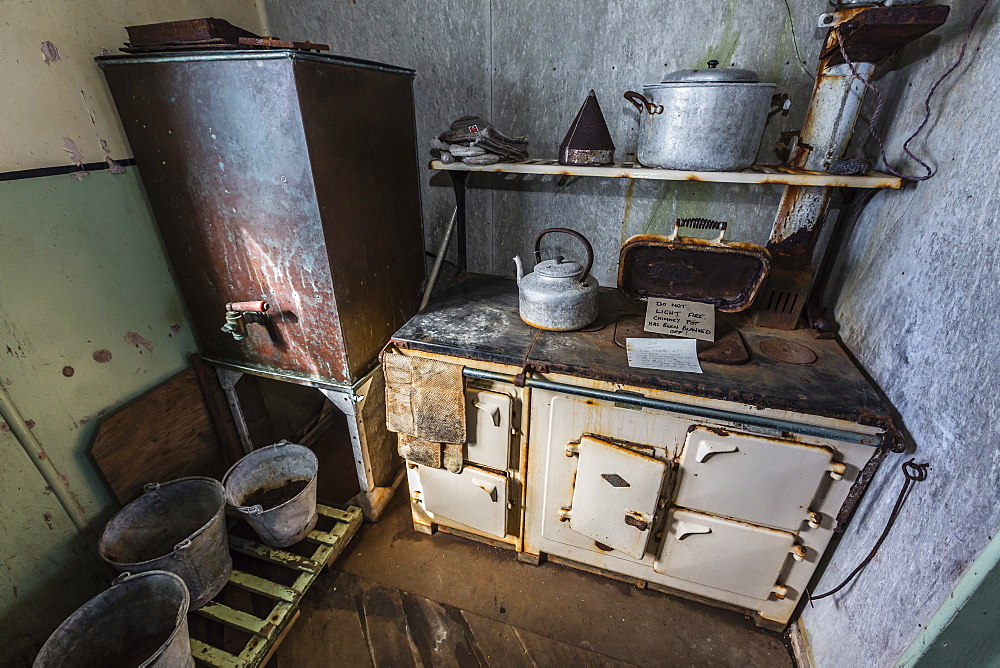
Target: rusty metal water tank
x,y
286,177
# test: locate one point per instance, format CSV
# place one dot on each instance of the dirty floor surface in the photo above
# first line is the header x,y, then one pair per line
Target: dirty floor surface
x,y
399,598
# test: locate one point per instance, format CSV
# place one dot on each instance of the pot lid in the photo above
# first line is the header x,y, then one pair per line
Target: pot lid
x,y
558,268
712,74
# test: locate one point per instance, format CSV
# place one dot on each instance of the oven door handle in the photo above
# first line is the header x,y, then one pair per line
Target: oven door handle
x,y
491,410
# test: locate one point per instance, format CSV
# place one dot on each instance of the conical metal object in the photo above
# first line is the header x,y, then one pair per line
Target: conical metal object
x,y
588,141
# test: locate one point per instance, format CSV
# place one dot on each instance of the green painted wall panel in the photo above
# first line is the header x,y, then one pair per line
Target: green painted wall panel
x,y
972,640
82,270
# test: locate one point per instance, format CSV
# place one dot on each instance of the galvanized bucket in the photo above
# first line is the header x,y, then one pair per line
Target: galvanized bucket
x,y
275,488
177,526
140,621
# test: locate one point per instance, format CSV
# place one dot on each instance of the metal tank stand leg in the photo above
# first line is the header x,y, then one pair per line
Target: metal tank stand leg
x,y
347,403
373,498
228,380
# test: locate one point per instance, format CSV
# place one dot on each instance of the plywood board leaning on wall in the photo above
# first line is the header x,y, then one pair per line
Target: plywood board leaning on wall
x,y
165,434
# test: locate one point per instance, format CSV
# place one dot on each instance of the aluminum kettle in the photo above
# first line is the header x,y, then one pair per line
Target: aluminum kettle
x,y
558,295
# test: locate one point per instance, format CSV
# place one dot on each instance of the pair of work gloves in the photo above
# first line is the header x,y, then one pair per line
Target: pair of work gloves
x,y
474,141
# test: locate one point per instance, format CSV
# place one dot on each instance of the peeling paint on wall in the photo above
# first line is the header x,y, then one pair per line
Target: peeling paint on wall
x,y
50,53
76,157
137,340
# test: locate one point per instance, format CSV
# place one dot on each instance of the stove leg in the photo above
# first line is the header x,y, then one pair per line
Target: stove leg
x,y
228,380
533,559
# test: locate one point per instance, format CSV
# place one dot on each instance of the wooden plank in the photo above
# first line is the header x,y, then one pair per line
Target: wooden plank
x,y
343,531
166,433
385,626
236,619
341,515
496,642
281,638
273,555
263,587
756,174
213,656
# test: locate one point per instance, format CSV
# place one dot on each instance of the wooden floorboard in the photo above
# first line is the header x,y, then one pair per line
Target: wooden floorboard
x,y
497,643
385,626
349,621
438,634
329,632
544,652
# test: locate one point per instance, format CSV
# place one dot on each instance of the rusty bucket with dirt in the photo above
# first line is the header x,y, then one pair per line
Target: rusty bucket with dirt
x,y
274,488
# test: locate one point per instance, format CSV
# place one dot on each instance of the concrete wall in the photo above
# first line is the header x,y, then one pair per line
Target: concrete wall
x,y
911,282
81,266
914,292
527,66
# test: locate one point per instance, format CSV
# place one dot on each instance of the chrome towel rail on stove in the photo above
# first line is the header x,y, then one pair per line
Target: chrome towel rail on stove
x,y
684,409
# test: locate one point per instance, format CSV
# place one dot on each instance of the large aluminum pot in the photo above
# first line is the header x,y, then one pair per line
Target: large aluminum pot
x,y
177,526
702,120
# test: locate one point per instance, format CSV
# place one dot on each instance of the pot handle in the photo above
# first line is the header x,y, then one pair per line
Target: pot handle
x,y
780,102
641,103
583,240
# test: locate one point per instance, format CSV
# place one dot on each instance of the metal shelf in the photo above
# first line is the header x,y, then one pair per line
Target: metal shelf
x,y
630,170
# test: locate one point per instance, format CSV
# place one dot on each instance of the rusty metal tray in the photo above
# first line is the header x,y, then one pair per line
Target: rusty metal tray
x,y
723,273
205,30
267,631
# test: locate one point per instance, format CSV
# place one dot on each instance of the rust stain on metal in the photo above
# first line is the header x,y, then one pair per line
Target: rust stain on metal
x,y
874,34
48,520
893,438
858,488
4,426
102,356
175,328
68,371
134,339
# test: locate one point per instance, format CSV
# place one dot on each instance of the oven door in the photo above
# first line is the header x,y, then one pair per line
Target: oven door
x,y
761,480
615,494
487,419
734,556
475,497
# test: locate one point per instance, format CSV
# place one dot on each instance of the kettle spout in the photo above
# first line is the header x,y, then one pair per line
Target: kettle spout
x,y
520,268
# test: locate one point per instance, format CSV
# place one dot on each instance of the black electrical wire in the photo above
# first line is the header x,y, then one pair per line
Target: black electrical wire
x,y
914,473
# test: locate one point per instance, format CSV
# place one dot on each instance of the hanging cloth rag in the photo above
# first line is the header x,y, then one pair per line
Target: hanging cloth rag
x,y
425,403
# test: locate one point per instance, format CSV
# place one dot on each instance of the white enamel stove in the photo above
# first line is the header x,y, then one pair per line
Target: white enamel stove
x,y
695,506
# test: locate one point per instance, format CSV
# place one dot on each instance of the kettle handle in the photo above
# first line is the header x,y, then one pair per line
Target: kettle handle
x,y
566,230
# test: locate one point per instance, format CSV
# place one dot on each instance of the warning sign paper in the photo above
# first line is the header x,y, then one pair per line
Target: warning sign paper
x,y
680,318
